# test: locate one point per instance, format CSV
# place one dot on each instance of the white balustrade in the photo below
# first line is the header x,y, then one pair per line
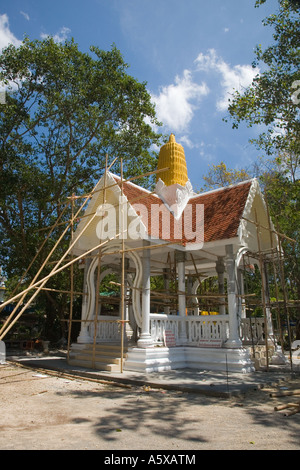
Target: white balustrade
x,y
206,327
198,328
252,330
108,329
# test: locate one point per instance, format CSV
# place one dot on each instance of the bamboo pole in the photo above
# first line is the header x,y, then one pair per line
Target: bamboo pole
x,y
285,301
263,291
21,293
275,283
71,285
98,280
123,275
45,279
60,291
37,253
285,393
51,252
96,309
43,282
273,231
55,270
149,173
159,245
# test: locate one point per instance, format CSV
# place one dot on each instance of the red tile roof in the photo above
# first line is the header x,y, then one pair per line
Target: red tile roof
x,y
223,210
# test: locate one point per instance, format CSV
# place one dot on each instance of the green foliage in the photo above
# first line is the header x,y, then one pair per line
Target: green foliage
x,y
65,111
219,176
272,100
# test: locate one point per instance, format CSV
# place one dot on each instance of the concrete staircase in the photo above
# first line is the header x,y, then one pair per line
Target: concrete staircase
x,y
106,356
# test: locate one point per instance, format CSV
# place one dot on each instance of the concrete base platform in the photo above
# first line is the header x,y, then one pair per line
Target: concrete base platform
x,y
211,383
160,359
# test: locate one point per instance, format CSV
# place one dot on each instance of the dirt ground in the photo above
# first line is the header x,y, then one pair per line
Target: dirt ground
x,y
41,411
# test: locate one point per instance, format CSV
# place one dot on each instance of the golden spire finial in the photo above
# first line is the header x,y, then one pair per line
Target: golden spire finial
x,y
172,156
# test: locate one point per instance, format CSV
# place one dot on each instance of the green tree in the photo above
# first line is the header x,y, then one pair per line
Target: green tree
x,y
65,111
273,98
272,102
219,176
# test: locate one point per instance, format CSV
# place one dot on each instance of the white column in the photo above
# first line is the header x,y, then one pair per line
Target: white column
x,y
234,340
220,268
241,290
84,336
180,261
145,340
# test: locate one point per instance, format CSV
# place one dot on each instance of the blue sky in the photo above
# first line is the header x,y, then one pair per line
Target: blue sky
x,y
191,53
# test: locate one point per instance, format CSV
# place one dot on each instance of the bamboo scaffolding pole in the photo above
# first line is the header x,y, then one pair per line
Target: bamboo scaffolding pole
x,y
247,307
272,230
45,279
71,284
128,180
164,294
263,291
43,282
123,276
98,280
36,255
285,301
107,187
60,291
158,245
285,393
21,294
50,254
100,320
96,309
275,284
55,270
138,198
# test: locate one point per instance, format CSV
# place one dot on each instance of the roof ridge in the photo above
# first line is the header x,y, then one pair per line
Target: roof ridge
x,y
135,185
224,187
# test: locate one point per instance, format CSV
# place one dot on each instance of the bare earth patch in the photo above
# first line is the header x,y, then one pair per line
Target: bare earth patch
x,y
48,411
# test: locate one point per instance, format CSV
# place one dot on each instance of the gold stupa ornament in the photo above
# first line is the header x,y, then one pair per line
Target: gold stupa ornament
x,y
173,185
172,156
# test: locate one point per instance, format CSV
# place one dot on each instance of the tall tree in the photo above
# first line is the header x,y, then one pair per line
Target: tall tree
x,y
64,111
273,98
219,176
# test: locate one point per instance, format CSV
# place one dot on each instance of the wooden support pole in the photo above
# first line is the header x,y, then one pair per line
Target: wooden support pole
x,y
285,300
33,284
123,273
45,279
71,284
263,290
21,294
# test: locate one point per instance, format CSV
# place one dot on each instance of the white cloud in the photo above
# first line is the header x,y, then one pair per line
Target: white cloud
x,y
235,78
175,104
26,16
6,36
60,36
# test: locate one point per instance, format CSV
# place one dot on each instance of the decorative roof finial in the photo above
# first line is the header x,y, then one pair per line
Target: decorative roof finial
x,y
172,156
173,185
